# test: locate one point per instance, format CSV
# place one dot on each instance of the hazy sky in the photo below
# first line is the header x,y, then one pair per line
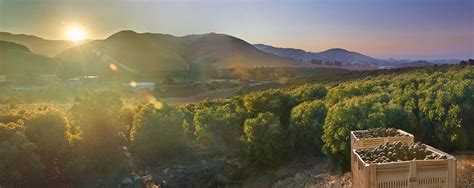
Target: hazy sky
x,y
381,28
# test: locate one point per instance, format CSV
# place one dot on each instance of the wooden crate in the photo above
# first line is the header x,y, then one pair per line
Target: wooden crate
x,y
359,143
405,174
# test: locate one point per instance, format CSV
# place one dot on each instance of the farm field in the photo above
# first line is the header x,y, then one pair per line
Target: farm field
x,y
237,93
222,139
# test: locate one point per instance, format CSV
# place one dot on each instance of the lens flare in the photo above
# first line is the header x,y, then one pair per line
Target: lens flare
x,y
154,102
113,67
76,34
133,83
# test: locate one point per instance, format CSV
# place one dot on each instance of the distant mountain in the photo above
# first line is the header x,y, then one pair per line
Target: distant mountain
x,y
397,62
148,53
18,59
420,63
338,54
445,61
331,55
400,62
291,53
49,48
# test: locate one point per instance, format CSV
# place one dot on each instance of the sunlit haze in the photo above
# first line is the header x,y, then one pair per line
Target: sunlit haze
x,y
403,28
75,34
237,93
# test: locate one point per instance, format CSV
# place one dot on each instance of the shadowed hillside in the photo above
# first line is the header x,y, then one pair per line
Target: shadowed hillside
x,y
49,48
331,55
148,53
338,54
18,59
421,63
224,51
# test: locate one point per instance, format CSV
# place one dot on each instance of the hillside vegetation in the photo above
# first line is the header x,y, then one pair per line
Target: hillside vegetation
x,y
44,47
146,53
330,55
106,136
141,55
18,59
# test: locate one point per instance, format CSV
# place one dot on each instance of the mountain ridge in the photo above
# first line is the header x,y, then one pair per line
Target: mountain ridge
x,y
155,52
18,59
339,53
38,45
330,55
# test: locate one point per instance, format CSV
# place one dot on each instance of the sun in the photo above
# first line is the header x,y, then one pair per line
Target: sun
x,y
75,34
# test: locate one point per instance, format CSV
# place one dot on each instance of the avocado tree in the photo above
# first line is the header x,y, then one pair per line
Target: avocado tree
x,y
20,165
306,125
157,135
348,115
274,101
48,130
98,145
308,92
265,140
218,127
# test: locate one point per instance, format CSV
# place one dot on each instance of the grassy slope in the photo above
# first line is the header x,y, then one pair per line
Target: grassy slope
x,y
17,59
155,53
48,48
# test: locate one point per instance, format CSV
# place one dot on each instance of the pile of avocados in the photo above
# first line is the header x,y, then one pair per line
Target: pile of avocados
x,y
378,132
397,152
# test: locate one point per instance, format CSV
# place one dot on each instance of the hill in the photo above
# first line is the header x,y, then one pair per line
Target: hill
x,y
342,55
152,52
18,59
420,63
331,55
445,61
292,53
49,48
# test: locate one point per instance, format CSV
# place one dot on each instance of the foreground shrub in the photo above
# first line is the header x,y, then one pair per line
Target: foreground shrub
x,y
306,125
354,114
308,92
265,140
157,136
98,145
19,163
274,101
48,131
221,127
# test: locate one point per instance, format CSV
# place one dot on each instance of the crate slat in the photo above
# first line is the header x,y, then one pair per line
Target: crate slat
x,y
360,143
405,174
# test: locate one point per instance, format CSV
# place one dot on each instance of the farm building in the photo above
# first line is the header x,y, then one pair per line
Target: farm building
x,y
48,77
136,86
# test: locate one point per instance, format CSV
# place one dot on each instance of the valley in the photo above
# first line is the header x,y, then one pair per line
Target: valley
x,y
237,94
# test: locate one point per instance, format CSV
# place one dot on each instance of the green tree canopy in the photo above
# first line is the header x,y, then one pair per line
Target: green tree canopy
x,y
306,125
221,126
274,101
265,139
98,146
19,163
48,130
157,136
308,92
353,114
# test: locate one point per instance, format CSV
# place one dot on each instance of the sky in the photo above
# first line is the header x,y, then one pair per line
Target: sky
x,y
415,29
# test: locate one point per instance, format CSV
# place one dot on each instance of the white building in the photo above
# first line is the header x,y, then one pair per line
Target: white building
x,y
136,86
48,77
